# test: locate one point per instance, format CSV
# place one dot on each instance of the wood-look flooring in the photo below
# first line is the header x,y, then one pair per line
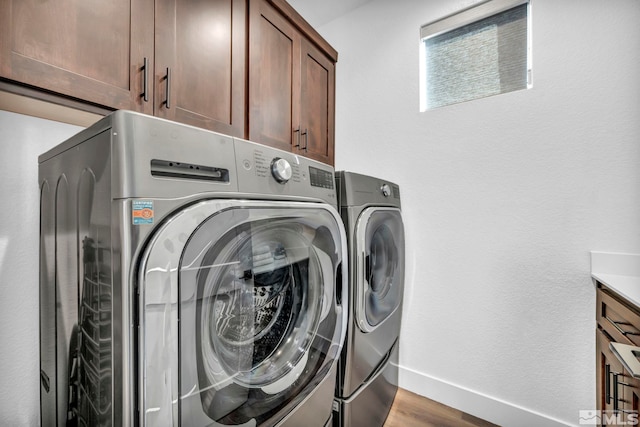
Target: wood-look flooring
x,y
412,410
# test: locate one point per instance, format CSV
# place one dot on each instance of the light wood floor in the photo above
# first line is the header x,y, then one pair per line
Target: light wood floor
x,y
412,410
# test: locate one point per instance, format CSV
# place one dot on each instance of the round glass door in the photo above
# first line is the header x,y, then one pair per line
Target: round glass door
x,y
258,318
380,242
258,310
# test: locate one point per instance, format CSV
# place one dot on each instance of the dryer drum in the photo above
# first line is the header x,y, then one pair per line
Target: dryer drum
x,y
382,262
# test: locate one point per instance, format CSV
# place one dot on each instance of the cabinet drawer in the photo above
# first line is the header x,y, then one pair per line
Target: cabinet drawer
x,y
619,320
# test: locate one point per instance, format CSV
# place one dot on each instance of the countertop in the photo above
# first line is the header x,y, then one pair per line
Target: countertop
x,y
619,272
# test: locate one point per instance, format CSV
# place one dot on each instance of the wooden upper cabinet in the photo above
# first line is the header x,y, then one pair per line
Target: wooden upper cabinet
x,y
317,105
201,60
291,84
274,76
89,50
253,69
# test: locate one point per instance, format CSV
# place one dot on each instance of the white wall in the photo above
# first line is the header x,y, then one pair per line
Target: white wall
x,y
503,198
22,139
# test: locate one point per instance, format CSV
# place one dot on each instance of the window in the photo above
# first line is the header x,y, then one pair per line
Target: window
x,y
478,52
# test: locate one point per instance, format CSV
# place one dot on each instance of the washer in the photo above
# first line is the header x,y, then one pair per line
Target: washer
x,y
187,278
368,366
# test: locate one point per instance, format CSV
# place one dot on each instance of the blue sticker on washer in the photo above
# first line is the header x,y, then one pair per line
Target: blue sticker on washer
x,y
142,212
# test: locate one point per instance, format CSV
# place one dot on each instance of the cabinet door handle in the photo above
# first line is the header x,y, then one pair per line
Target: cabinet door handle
x,y
306,140
167,78
145,80
615,392
619,329
297,133
607,382
608,394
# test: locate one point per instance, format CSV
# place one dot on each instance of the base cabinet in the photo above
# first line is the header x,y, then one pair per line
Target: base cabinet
x,y
617,390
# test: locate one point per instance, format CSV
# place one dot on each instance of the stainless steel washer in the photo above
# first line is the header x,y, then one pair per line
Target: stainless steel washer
x,y
187,278
368,365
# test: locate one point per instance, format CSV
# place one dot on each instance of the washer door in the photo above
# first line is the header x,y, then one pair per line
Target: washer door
x,y
380,265
241,318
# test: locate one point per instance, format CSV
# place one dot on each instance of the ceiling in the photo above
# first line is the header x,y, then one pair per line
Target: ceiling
x,y
318,13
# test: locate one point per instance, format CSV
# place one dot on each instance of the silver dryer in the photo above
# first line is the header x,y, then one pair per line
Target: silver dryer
x,y
368,366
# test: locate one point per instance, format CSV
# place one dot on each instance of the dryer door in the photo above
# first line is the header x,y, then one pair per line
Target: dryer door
x,y
240,316
380,265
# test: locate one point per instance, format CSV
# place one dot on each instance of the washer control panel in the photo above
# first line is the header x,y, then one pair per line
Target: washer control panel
x,y
321,178
272,172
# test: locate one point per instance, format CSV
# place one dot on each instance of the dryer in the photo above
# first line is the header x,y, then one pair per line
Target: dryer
x,y
187,278
368,366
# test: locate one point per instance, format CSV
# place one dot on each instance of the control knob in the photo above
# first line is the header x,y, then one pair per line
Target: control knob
x,y
281,170
386,190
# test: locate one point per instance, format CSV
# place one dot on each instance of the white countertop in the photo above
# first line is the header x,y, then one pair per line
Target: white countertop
x,y
619,272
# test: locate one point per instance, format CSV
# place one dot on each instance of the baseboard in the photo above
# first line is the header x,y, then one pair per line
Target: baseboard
x,y
474,403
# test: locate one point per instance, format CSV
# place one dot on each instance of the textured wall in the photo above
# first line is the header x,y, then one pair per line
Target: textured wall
x,y
503,197
22,140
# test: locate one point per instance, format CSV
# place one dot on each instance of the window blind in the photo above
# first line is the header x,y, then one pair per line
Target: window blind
x,y
477,56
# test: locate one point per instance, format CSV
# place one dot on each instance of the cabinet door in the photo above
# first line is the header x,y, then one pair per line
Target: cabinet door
x,y
274,78
632,401
200,67
90,50
616,396
317,104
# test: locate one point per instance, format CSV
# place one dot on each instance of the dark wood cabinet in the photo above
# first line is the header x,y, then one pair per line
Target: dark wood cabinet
x,y
609,377
88,50
317,106
200,63
291,85
126,54
632,398
274,105
253,69
617,391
